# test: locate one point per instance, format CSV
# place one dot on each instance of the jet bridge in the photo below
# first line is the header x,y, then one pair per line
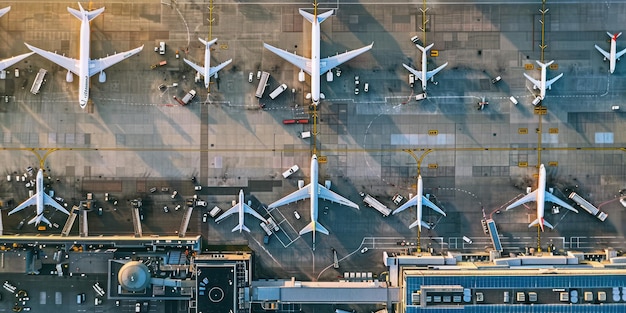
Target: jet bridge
x,y
70,221
83,227
136,222
185,222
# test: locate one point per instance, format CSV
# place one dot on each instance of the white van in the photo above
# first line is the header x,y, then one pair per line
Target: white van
x,y
290,171
215,211
162,47
420,96
278,91
513,100
536,101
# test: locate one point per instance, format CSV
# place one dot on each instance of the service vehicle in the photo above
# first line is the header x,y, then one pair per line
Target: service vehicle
x,y
162,47
373,203
278,91
188,97
290,171
263,78
215,211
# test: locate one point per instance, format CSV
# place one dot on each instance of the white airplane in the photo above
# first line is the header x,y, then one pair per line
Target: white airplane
x,y
424,75
10,61
314,191
241,208
207,71
543,84
541,196
40,199
419,200
613,55
315,66
84,67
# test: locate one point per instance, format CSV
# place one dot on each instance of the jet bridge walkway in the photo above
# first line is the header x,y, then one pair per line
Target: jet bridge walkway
x,y
83,226
136,222
185,222
70,221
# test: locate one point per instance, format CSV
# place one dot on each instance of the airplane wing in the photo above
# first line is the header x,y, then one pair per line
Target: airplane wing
x,y
215,69
198,68
10,61
550,82
99,65
31,201
552,198
432,73
408,204
418,74
252,212
65,62
413,202
527,198
47,200
619,54
331,196
301,62
431,205
330,62
228,213
297,195
606,54
534,81
5,10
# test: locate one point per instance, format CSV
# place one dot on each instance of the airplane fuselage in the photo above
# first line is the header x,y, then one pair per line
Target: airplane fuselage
x,y
542,88
39,189
241,209
613,53
541,195
420,193
315,61
207,65
313,192
424,72
83,75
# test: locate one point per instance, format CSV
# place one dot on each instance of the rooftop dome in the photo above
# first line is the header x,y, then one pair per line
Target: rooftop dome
x,y
134,276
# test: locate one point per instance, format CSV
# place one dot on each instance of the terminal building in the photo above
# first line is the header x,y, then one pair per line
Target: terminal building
x,y
172,270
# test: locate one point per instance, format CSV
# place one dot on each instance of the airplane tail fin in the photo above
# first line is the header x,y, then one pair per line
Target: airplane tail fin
x,y
90,14
38,219
320,17
541,224
314,227
240,227
614,36
416,223
424,49
545,64
204,42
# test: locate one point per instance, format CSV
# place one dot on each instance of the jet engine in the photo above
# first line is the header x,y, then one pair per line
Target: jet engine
x,y
301,76
102,77
69,77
